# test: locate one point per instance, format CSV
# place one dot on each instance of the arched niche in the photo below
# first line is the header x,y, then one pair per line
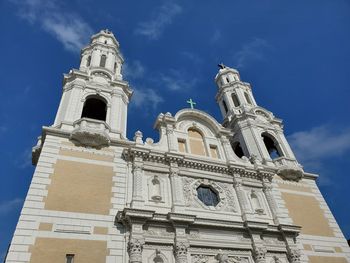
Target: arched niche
x,y
156,193
256,203
95,107
272,146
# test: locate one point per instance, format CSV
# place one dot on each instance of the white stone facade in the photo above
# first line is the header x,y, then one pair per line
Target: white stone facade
x,y
155,211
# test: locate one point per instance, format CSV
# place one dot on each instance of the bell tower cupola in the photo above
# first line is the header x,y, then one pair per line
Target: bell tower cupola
x,y
95,97
102,54
258,134
233,95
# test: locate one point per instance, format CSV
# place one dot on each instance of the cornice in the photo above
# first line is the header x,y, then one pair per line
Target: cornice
x,y
191,162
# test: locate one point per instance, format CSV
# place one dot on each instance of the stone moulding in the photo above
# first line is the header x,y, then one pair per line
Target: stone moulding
x,y
90,132
192,163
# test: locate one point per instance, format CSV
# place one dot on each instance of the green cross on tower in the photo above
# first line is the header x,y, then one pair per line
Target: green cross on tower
x,y
191,102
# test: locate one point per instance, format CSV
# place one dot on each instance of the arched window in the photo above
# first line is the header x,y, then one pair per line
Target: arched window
x,y
88,61
225,106
196,142
95,108
228,80
238,149
271,146
235,100
103,61
246,95
115,66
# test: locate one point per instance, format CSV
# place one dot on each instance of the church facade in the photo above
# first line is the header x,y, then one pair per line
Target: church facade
x,y
206,192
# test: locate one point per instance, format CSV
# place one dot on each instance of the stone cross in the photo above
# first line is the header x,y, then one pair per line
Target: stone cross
x,y
191,102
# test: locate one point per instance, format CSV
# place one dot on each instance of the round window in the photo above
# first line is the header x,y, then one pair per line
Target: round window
x,y
207,195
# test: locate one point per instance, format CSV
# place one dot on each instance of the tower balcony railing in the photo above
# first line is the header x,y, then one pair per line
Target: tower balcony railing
x,y
91,132
284,161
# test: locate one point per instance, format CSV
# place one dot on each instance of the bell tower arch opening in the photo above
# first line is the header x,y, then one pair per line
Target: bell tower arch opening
x,y
95,107
272,146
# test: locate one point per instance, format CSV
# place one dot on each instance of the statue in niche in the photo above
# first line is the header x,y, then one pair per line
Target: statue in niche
x,y
276,260
256,203
155,189
158,258
223,258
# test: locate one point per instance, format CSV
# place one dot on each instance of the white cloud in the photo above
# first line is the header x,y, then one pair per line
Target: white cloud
x,y
216,36
162,17
25,159
8,206
133,70
146,98
67,27
176,80
253,50
319,143
193,57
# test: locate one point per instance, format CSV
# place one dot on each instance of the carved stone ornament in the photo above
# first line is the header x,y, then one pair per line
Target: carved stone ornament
x,y
294,256
224,191
180,252
276,259
135,248
200,258
224,258
90,132
260,254
290,173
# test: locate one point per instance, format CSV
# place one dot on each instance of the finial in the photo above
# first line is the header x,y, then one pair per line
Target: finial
x,y
221,65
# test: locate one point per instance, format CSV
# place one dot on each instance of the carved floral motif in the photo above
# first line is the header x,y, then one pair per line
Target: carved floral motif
x,y
260,254
180,252
135,248
294,256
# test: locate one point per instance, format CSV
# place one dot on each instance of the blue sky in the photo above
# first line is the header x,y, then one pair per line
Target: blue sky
x,y
295,54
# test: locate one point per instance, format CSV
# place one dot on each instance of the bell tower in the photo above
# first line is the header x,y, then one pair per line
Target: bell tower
x,y
258,134
95,97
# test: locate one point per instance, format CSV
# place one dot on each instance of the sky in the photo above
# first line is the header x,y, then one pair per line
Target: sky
x,y
295,54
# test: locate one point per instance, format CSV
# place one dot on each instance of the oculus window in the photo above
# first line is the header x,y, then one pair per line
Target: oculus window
x,y
207,195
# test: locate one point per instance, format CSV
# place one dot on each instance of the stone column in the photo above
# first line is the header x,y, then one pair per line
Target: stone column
x,y
180,251
181,243
114,112
172,144
95,58
267,189
135,247
227,148
176,187
110,61
242,199
137,196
